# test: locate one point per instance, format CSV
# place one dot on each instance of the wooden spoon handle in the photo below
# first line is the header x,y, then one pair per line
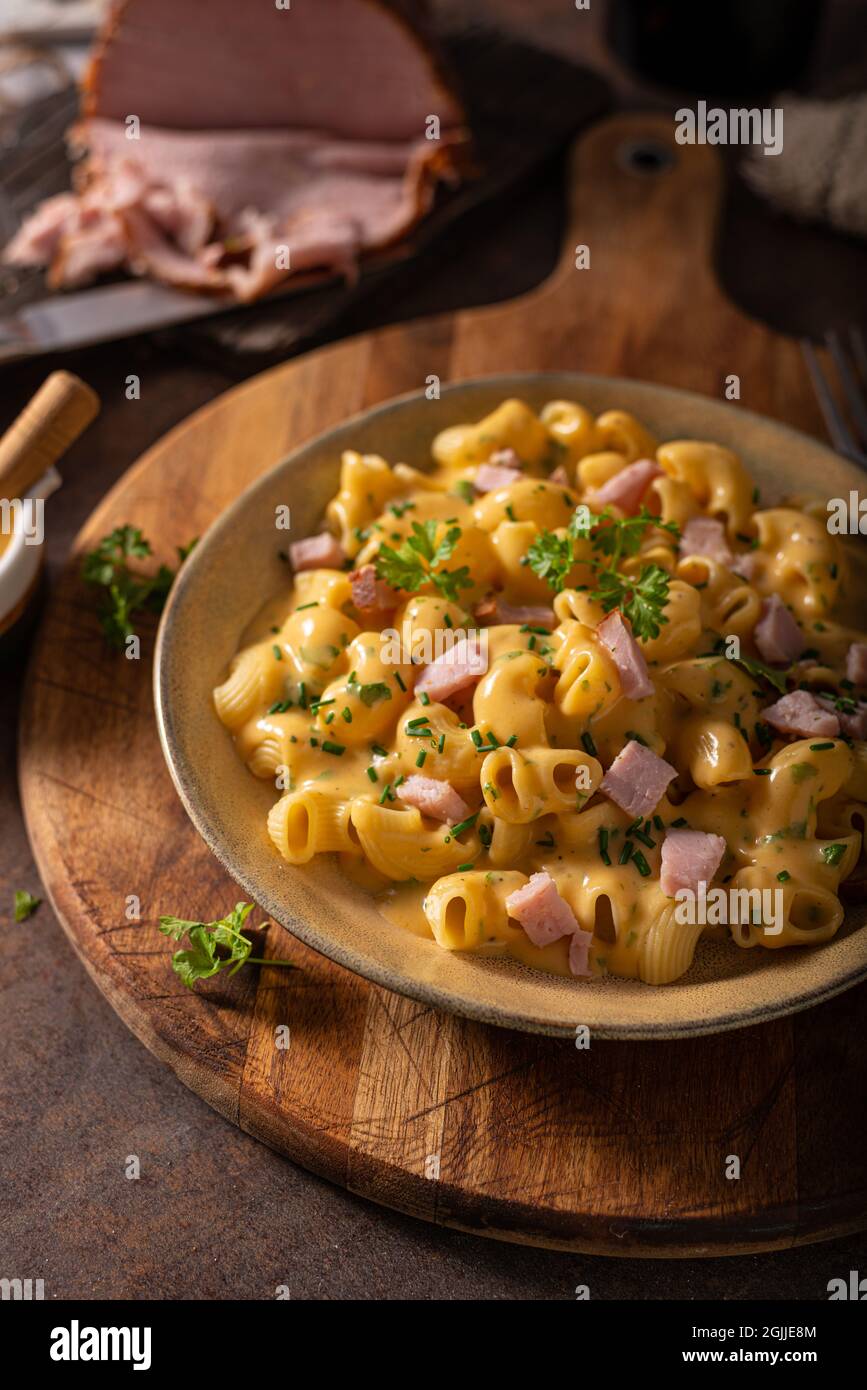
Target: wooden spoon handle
x,y
62,407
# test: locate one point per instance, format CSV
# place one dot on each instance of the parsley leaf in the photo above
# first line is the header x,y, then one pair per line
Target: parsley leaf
x,y
551,557
415,562
214,946
641,600
127,591
759,671
25,905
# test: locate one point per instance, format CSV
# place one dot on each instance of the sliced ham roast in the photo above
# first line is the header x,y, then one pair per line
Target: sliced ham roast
x,y
271,141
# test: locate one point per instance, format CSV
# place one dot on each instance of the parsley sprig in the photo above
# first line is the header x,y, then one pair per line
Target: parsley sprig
x,y
127,591
214,946
641,598
416,561
25,904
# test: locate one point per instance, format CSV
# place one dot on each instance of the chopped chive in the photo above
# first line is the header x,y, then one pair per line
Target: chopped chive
x,y
659,822
425,732
424,698
314,743
531,645
421,719
645,839
626,852
820,747
677,824
317,705
539,631
447,619
511,740
378,750
442,743
783,876
386,794
762,771
399,679
476,737
832,854
641,864
492,739
338,749
419,762
463,868
589,745
398,780
302,695
465,824
486,834
371,772
329,718
346,713
302,606
510,512
278,655
603,845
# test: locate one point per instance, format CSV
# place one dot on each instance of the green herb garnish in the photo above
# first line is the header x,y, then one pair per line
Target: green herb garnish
x,y
214,946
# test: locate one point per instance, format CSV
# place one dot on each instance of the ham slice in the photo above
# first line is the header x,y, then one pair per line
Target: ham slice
x,y
452,672
800,713
778,637
320,552
637,779
627,488
615,633
704,535
689,857
543,914
494,609
491,476
436,799
856,663
372,597
258,155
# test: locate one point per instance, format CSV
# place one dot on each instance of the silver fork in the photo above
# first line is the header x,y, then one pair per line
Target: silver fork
x,y
848,351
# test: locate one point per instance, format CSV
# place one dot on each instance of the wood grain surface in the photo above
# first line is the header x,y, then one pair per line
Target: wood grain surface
x,y
620,1149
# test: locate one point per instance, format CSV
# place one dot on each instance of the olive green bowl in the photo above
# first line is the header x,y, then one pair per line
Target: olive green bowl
x,y
235,568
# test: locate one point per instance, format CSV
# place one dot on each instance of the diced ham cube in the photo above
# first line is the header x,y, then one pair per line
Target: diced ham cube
x,y
494,609
543,914
457,668
778,637
505,458
704,535
637,779
579,950
745,566
800,713
490,477
853,724
856,663
321,552
689,857
372,597
559,476
436,799
626,489
615,633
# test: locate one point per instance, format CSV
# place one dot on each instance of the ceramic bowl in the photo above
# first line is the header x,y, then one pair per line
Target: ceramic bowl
x,y
236,567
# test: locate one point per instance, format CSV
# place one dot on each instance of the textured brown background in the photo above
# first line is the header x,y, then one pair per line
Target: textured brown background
x,y
214,1214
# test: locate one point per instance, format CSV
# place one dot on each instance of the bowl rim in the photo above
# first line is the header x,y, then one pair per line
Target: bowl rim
x,y
369,968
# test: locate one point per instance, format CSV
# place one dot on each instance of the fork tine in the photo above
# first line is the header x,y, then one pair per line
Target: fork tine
x,y
841,436
851,387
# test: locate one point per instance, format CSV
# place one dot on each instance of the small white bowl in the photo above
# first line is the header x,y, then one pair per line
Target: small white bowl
x,y
21,560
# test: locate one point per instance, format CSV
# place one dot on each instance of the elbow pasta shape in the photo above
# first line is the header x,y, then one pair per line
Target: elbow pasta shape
x,y
531,759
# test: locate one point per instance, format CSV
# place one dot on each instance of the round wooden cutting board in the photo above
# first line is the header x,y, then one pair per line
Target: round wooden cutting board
x,y
622,1148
